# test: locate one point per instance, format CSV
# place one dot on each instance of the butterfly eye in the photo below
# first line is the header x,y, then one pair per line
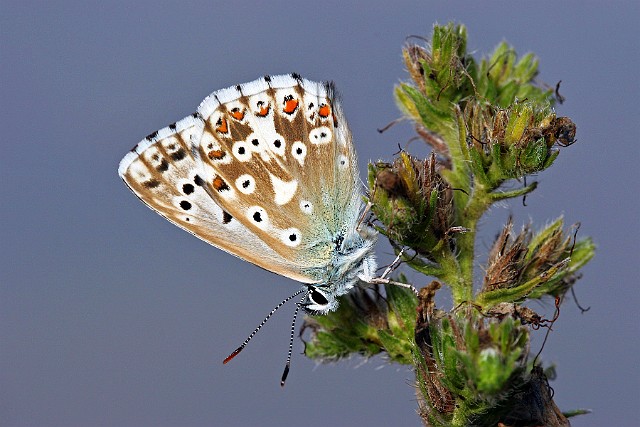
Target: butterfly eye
x,y
317,297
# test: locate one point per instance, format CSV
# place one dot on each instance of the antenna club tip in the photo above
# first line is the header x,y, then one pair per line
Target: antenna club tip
x,y
284,375
232,355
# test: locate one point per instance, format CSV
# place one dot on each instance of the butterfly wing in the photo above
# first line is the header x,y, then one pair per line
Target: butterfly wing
x,y
162,171
265,170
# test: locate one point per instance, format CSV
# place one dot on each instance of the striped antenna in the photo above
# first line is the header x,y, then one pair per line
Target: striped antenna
x,y
255,331
293,332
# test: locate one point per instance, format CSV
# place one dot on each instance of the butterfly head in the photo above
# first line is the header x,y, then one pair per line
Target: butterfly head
x,y
319,300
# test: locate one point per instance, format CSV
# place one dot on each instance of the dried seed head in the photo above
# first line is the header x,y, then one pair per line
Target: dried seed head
x,y
413,201
389,181
414,56
528,258
504,266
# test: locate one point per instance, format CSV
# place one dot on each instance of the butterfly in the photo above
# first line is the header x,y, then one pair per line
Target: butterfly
x,y
265,171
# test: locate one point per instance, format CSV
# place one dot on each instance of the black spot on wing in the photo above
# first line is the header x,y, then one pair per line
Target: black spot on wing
x,y
226,217
163,166
152,183
179,154
188,189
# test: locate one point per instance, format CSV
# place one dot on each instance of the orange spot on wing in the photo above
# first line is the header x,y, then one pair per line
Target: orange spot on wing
x,y
221,125
219,184
264,109
324,111
237,114
290,104
216,154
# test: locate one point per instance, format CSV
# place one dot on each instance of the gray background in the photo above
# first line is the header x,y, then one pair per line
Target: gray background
x,y
111,316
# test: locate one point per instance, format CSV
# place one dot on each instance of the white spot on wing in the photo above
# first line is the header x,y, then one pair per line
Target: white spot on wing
x,y
257,144
306,207
246,184
321,135
277,144
258,217
299,152
291,237
283,190
343,161
241,151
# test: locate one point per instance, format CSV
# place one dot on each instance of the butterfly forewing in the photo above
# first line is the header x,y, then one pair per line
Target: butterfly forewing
x,y
270,149
164,174
265,171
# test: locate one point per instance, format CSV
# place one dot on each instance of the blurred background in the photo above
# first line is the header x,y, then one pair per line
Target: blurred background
x,y
111,316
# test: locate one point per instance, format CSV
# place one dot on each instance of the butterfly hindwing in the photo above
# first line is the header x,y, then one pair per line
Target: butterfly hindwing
x,y
162,171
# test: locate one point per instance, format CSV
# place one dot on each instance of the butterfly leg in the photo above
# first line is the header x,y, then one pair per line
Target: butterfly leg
x,y
383,280
395,264
365,211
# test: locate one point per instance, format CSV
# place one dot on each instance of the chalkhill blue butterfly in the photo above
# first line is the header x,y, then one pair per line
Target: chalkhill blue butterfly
x,y
265,171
